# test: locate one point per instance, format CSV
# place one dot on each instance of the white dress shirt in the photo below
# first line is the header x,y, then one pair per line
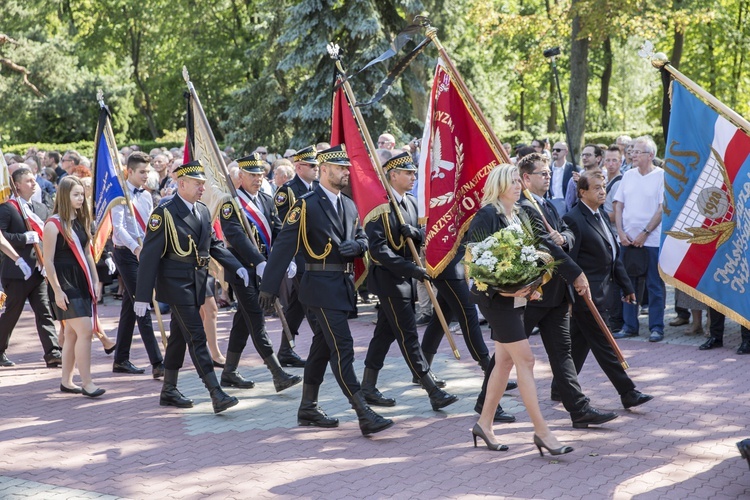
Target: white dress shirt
x,y
125,229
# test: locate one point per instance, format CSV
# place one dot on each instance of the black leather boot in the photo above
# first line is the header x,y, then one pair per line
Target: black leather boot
x,y
369,421
230,377
369,388
438,382
484,363
281,379
309,413
170,396
287,356
220,399
500,415
438,397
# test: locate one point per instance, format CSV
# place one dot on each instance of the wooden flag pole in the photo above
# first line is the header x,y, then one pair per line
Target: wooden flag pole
x,y
389,190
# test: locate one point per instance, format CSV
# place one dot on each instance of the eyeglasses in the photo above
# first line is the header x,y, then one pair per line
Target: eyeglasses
x,y
543,173
557,150
636,152
262,152
380,143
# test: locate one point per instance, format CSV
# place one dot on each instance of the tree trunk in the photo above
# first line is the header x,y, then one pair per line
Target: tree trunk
x,y
679,39
711,60
145,107
521,117
739,54
606,75
579,81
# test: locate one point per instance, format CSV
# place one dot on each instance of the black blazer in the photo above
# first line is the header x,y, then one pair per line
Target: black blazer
x,y
392,262
593,253
288,194
13,228
559,288
180,281
313,229
248,253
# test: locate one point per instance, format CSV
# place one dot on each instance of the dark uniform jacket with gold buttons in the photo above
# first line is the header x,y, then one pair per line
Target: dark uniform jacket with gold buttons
x,y
392,262
176,252
313,228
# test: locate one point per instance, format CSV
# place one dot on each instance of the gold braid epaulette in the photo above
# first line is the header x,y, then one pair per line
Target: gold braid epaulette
x,y
303,230
171,231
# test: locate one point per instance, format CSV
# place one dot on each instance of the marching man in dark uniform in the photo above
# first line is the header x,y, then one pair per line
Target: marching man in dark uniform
x,y
305,180
551,312
390,278
14,281
175,257
248,320
325,227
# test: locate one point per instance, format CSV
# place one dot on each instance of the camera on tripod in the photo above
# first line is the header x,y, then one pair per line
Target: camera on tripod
x,y
554,51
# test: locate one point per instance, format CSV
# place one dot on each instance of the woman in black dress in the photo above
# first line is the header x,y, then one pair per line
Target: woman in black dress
x,y
71,272
504,312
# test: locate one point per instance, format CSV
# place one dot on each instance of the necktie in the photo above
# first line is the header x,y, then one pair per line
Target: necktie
x,y
607,233
340,209
196,213
255,201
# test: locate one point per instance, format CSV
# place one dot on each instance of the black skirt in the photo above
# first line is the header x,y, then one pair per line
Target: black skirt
x,y
73,282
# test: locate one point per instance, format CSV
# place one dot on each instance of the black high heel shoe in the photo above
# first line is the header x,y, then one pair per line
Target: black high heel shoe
x,y
552,451
478,432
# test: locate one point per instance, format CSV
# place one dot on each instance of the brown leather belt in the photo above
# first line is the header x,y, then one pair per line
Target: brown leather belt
x,y
334,268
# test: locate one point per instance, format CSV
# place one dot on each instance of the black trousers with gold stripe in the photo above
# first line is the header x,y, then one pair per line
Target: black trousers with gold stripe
x,y
186,332
332,342
396,321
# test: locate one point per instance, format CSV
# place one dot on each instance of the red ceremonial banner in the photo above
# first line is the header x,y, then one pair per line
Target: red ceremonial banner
x,y
457,156
368,192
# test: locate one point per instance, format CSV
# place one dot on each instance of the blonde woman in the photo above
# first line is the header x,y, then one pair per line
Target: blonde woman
x,y
504,312
71,272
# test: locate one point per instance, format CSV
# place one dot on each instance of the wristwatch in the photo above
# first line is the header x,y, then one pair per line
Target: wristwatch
x,y
646,230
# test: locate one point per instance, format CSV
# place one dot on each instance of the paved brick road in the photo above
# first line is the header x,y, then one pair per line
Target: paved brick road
x,y
124,445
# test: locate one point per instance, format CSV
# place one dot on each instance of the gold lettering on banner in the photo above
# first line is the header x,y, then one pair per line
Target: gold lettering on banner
x,y
736,272
676,170
443,117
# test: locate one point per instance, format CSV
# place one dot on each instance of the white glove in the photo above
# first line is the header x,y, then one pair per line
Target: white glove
x,y
243,274
110,265
141,308
291,271
24,267
260,268
31,237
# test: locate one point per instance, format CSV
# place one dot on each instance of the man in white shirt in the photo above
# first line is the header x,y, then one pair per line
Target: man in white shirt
x,y
638,213
562,171
128,231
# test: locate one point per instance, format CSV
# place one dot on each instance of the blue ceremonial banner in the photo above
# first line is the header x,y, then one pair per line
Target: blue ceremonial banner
x,y
108,185
706,223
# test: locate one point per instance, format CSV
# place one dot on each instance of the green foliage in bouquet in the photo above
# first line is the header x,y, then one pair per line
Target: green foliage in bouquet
x,y
507,259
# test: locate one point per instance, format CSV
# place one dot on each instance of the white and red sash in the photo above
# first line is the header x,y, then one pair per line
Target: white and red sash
x,y
77,248
256,216
37,225
139,218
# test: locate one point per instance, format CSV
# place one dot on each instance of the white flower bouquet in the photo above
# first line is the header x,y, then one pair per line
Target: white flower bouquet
x,y
507,261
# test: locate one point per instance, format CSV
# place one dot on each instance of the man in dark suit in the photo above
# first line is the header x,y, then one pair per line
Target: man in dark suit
x,y
15,286
264,222
175,256
597,253
390,278
324,226
306,170
562,171
550,313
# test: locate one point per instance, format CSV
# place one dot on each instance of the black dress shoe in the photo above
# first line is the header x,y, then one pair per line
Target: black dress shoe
x,y
53,359
744,447
512,384
290,359
126,367
74,390
711,343
744,347
592,416
158,370
634,398
94,394
4,361
500,415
